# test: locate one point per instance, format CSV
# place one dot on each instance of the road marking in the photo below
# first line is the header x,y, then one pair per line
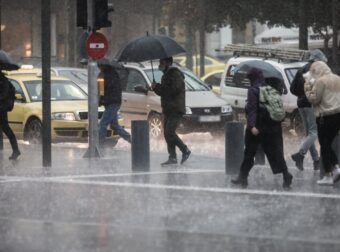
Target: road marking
x,y
201,189
44,179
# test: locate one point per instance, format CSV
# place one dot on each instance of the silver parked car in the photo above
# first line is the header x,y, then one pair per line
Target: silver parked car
x,y
205,111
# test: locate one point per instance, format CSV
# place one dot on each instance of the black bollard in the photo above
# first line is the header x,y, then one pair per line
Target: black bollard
x,y
140,146
234,147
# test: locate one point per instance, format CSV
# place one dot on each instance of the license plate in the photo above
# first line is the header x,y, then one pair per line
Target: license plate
x,y
209,118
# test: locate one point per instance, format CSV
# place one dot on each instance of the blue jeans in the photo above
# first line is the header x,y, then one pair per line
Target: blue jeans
x,y
311,133
110,117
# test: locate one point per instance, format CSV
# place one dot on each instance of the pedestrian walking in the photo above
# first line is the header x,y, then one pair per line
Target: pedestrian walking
x,y
7,97
307,114
112,100
262,129
172,93
323,92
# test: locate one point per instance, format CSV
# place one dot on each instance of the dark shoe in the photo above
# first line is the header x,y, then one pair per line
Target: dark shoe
x,y
298,158
287,180
170,161
185,156
240,181
316,165
14,155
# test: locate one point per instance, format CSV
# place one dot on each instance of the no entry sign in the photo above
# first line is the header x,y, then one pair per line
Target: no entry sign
x,y
96,45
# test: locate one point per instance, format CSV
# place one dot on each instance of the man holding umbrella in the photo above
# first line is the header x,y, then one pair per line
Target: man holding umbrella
x,y
172,93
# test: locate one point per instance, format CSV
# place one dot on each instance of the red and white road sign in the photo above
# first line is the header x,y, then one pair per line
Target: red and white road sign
x,y
96,45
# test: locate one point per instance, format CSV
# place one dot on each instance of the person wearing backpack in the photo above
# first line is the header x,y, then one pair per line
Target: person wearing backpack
x,y
112,100
7,97
323,92
262,129
307,114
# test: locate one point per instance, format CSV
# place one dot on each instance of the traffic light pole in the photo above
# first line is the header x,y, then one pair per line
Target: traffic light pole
x,y
93,149
1,135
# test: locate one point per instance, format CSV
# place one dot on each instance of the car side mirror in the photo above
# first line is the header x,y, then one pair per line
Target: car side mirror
x,y
19,97
141,89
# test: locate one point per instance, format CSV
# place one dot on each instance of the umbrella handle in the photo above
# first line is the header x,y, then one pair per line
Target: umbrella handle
x,y
153,75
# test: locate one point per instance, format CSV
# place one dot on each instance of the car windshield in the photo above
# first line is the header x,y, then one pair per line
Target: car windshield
x,y
291,72
61,90
192,82
77,76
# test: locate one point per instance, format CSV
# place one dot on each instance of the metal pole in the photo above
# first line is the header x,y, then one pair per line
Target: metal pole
x,y
234,147
93,149
140,146
46,80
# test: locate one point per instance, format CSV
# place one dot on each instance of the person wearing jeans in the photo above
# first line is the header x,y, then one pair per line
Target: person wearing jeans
x,y
323,91
307,114
112,100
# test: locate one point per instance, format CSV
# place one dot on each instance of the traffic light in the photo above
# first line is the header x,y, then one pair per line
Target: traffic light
x,y
101,10
82,13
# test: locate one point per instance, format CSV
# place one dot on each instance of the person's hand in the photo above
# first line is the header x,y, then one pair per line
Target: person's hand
x,y
254,131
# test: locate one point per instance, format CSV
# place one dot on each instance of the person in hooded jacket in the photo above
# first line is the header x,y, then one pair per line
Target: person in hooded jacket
x,y
172,93
307,114
261,129
323,92
4,97
112,101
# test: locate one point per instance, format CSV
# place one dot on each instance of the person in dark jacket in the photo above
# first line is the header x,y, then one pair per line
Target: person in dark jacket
x,y
307,114
261,129
112,100
172,93
4,97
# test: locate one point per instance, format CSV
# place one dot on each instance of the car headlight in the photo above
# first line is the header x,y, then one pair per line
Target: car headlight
x,y
188,111
63,116
226,109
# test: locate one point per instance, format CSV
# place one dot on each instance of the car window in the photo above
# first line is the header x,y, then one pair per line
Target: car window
x,y
77,76
60,91
192,82
291,72
230,82
214,79
17,86
135,78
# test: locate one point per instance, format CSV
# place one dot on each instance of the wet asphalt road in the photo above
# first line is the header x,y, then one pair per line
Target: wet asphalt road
x,y
101,205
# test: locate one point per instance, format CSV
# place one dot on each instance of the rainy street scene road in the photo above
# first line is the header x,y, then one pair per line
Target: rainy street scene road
x,y
169,125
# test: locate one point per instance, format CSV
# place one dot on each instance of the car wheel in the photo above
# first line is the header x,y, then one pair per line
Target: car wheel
x,y
33,131
297,124
156,125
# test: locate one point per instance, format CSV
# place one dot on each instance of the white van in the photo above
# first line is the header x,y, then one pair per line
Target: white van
x,y
205,111
236,94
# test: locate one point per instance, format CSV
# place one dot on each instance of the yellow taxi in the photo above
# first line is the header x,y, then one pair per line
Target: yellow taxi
x,y
210,64
69,109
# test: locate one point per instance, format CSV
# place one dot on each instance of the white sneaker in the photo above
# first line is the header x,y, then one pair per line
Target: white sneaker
x,y
326,180
336,175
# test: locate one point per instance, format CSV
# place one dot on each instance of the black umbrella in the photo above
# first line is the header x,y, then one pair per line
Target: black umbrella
x,y
6,62
149,47
268,70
